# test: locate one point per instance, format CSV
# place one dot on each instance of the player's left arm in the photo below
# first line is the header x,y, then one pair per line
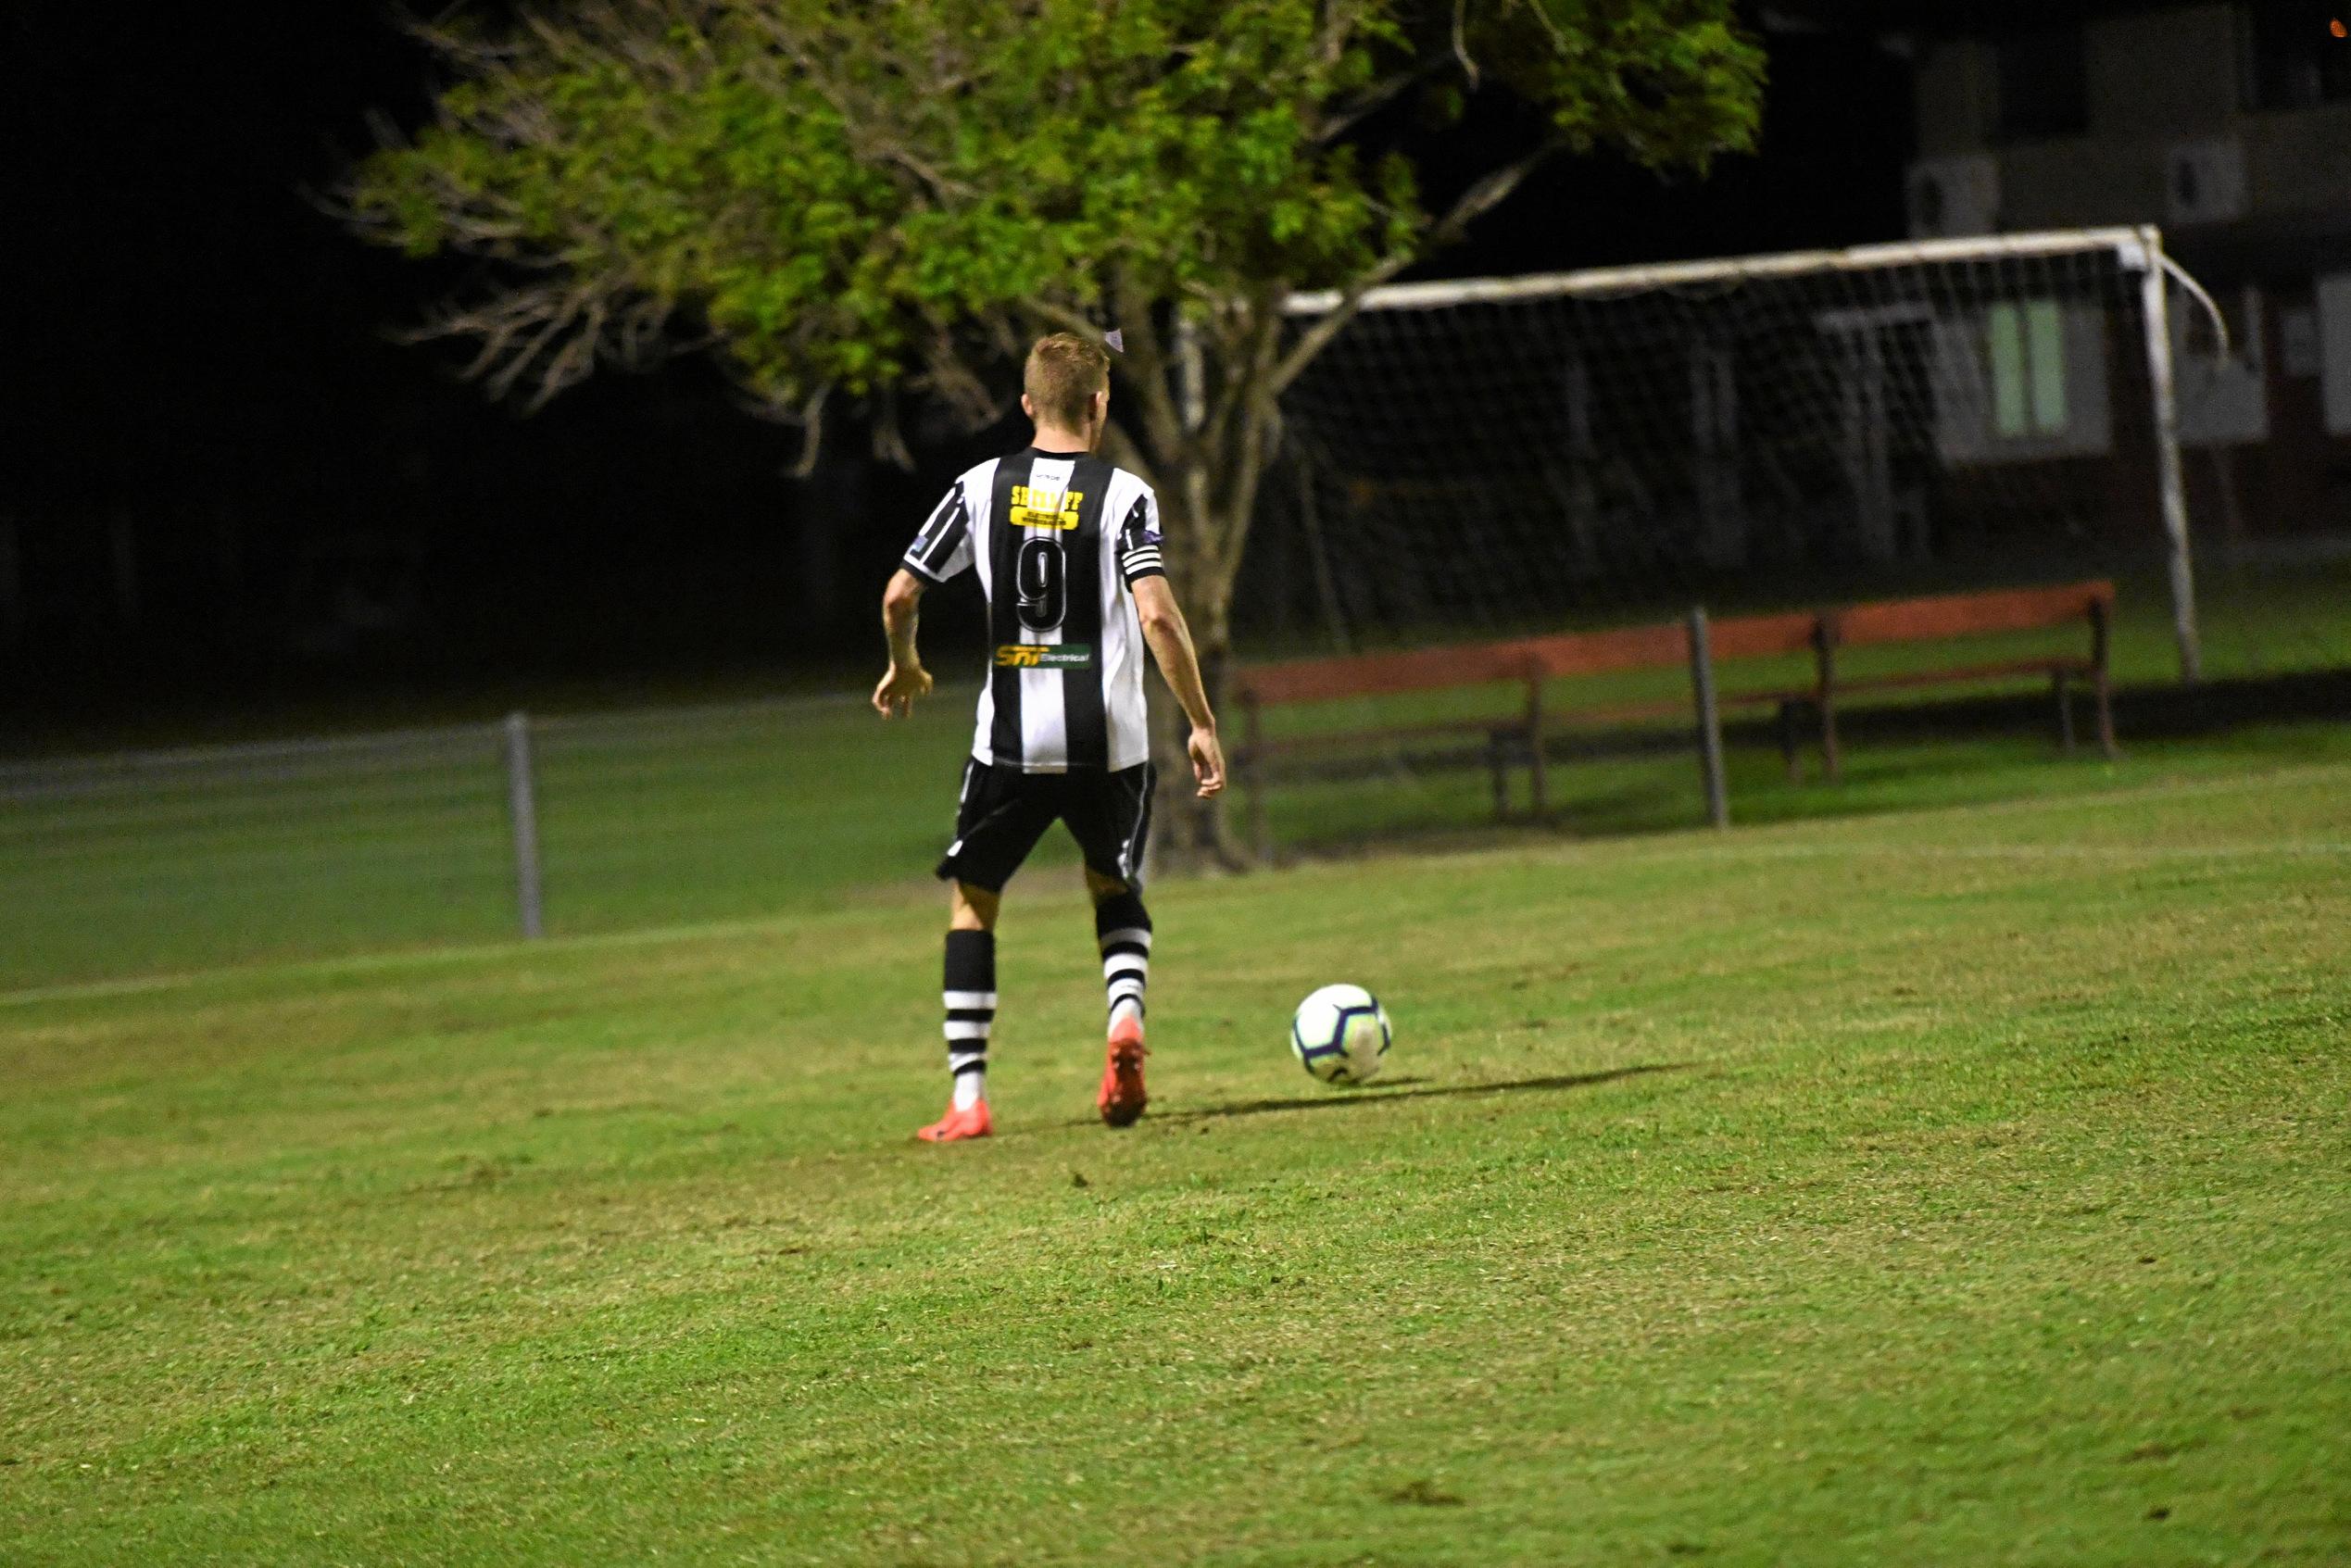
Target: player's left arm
x,y
906,679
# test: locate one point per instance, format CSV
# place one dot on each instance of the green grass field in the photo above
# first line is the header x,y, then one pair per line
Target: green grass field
x,y
1966,1182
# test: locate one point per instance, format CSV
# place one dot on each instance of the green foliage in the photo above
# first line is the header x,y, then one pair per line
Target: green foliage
x,y
864,195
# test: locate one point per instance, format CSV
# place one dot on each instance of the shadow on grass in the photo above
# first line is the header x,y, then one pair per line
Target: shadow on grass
x,y
1382,1095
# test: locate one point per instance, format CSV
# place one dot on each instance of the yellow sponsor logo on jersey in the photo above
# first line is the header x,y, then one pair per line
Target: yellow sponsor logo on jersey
x,y
1045,508
1044,656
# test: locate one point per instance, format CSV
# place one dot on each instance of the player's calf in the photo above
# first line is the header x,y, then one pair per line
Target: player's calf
x,y
1123,930
970,998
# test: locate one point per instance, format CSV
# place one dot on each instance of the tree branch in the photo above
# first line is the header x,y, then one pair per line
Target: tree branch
x,y
1068,318
1129,454
1481,198
1146,369
1461,42
866,122
811,423
1256,416
552,335
1375,97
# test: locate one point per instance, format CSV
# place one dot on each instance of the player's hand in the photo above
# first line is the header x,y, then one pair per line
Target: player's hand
x,y
894,698
1208,760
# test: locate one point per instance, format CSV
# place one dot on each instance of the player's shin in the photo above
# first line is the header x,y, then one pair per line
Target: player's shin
x,y
1123,928
971,1011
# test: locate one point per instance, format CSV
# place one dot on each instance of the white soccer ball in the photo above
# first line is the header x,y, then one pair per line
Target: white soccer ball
x,y
1341,1035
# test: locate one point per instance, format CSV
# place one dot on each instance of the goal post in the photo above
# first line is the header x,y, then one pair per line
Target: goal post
x,y
2163,387
1493,450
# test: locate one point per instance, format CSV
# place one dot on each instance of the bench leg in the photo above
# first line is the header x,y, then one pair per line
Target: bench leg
x,y
2059,683
1537,787
2100,632
1787,742
1498,762
1829,763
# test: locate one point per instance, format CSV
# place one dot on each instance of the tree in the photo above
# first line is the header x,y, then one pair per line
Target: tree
x,y
883,200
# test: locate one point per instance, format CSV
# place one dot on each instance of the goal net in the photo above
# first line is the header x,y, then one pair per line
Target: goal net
x,y
1479,457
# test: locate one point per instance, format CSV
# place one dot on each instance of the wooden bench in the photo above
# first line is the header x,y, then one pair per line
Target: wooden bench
x,y
1942,618
1520,735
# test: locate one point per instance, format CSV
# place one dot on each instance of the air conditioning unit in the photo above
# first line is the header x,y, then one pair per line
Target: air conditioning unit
x,y
1952,198
2203,182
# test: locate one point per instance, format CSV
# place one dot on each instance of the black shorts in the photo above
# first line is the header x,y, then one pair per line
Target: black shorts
x,y
1005,811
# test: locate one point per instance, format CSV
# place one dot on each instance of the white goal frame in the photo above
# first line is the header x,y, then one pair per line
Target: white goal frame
x,y
2135,249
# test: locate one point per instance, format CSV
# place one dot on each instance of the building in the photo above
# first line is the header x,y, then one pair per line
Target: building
x,y
2227,123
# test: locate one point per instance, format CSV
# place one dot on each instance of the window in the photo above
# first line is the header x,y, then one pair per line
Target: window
x,y
2027,344
2044,83
2021,380
2298,52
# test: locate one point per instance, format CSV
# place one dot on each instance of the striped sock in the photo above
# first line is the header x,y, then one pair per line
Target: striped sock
x,y
971,1011
1123,928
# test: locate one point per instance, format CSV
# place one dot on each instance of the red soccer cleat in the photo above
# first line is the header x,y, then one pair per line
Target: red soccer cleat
x,y
957,1124
1122,1097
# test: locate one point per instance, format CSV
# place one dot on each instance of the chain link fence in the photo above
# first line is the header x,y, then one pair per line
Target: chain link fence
x,y
156,861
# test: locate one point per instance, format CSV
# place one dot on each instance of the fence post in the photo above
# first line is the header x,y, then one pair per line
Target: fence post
x,y
522,810
1702,681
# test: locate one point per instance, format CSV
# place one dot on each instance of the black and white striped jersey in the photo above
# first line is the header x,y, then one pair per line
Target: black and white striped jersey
x,y
1058,540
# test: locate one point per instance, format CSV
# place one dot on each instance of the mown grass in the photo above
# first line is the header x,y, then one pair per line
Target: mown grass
x,y
1947,1185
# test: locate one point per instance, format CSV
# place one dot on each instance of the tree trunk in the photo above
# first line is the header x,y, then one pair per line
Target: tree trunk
x,y
1203,438
1191,834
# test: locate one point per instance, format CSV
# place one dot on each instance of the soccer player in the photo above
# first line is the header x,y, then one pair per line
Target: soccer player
x,y
1067,548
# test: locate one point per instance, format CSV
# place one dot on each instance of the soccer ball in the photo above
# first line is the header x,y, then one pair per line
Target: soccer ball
x,y
1341,1035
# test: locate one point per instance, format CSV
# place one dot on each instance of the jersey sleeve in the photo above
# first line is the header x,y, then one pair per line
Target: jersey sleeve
x,y
1138,542
943,548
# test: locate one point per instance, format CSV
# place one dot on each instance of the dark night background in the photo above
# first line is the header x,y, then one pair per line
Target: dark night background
x,y
202,365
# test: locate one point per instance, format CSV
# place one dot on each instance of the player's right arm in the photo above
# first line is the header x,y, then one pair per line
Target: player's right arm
x,y
939,551
906,679
1171,643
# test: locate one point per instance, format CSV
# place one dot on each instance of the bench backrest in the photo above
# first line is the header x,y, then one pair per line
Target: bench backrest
x,y
1473,664
1601,653
1760,636
1963,615
1663,645
1379,674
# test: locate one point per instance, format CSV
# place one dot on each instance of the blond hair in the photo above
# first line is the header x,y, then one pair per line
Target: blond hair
x,y
1064,371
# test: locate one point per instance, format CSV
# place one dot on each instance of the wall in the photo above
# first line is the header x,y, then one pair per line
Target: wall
x,y
2156,79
